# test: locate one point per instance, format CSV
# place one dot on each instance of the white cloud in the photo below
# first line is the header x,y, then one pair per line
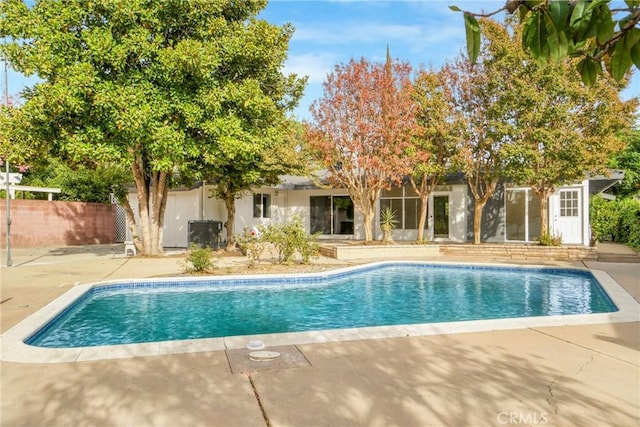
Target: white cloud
x,y
315,65
346,33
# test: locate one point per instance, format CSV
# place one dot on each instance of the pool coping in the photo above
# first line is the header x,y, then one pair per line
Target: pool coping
x,y
13,348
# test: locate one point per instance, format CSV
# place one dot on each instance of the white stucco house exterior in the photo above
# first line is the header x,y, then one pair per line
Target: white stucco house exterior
x,y
512,215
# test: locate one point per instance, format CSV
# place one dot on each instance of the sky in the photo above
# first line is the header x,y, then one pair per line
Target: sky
x,y
330,32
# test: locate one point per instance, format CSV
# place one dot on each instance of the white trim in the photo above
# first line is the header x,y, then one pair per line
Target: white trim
x,y
50,190
586,219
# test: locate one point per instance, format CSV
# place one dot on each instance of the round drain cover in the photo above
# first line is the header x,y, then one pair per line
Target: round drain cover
x,y
263,356
255,345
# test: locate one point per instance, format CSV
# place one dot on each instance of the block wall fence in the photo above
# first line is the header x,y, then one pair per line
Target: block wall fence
x,y
40,223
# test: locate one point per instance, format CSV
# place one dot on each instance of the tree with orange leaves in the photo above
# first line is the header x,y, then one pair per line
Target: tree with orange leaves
x,y
362,126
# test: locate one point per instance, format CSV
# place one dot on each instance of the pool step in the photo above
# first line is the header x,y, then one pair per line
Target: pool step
x,y
623,258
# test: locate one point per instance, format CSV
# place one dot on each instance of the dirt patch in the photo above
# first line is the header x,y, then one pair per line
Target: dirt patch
x,y
270,268
234,263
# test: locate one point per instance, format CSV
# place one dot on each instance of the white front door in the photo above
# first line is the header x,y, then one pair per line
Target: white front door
x,y
567,216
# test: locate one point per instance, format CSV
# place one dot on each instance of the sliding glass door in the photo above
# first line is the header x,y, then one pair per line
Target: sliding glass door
x,y
522,208
331,215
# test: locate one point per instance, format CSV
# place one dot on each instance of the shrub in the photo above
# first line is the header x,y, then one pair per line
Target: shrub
x,y
251,244
547,239
198,259
603,216
290,238
277,236
628,224
387,224
308,248
79,183
618,220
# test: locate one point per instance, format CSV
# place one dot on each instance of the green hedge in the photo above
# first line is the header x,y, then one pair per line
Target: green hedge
x,y
616,220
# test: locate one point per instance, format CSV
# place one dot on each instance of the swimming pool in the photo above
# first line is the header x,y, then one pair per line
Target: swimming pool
x,y
376,295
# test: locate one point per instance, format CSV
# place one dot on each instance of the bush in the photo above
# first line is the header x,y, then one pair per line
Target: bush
x,y
84,184
387,224
289,239
603,216
276,234
628,229
251,245
547,239
308,249
198,259
617,220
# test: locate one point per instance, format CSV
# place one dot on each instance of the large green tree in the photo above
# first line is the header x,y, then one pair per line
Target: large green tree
x,y
562,129
81,183
533,123
601,33
16,143
629,161
487,125
437,131
161,86
236,169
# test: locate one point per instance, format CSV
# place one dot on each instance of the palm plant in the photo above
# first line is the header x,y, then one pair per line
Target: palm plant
x,y
387,223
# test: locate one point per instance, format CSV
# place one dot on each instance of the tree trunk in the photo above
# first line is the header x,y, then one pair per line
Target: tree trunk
x,y
543,195
424,190
152,201
424,199
482,191
230,205
371,196
387,239
365,202
544,215
131,222
158,204
367,220
477,220
142,192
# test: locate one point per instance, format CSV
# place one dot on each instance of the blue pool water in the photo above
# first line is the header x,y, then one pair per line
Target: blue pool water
x,y
388,294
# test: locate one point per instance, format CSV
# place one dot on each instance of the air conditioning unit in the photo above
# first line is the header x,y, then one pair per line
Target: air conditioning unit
x,y
205,233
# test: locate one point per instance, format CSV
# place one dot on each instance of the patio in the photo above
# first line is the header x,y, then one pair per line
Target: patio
x,y
566,375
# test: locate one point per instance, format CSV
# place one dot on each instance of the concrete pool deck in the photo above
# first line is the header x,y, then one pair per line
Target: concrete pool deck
x,y
562,375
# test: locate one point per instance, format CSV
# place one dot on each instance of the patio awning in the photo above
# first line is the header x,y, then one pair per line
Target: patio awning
x,y
601,183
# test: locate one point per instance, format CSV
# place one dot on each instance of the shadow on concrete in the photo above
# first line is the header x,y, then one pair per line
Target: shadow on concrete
x,y
99,250
26,256
184,390
438,381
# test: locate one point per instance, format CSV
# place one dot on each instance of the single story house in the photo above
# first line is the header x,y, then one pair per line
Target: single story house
x,y
511,215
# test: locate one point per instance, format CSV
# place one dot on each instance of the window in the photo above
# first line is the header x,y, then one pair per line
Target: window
x,y
331,214
412,214
406,205
516,213
396,207
522,219
320,214
262,205
569,203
